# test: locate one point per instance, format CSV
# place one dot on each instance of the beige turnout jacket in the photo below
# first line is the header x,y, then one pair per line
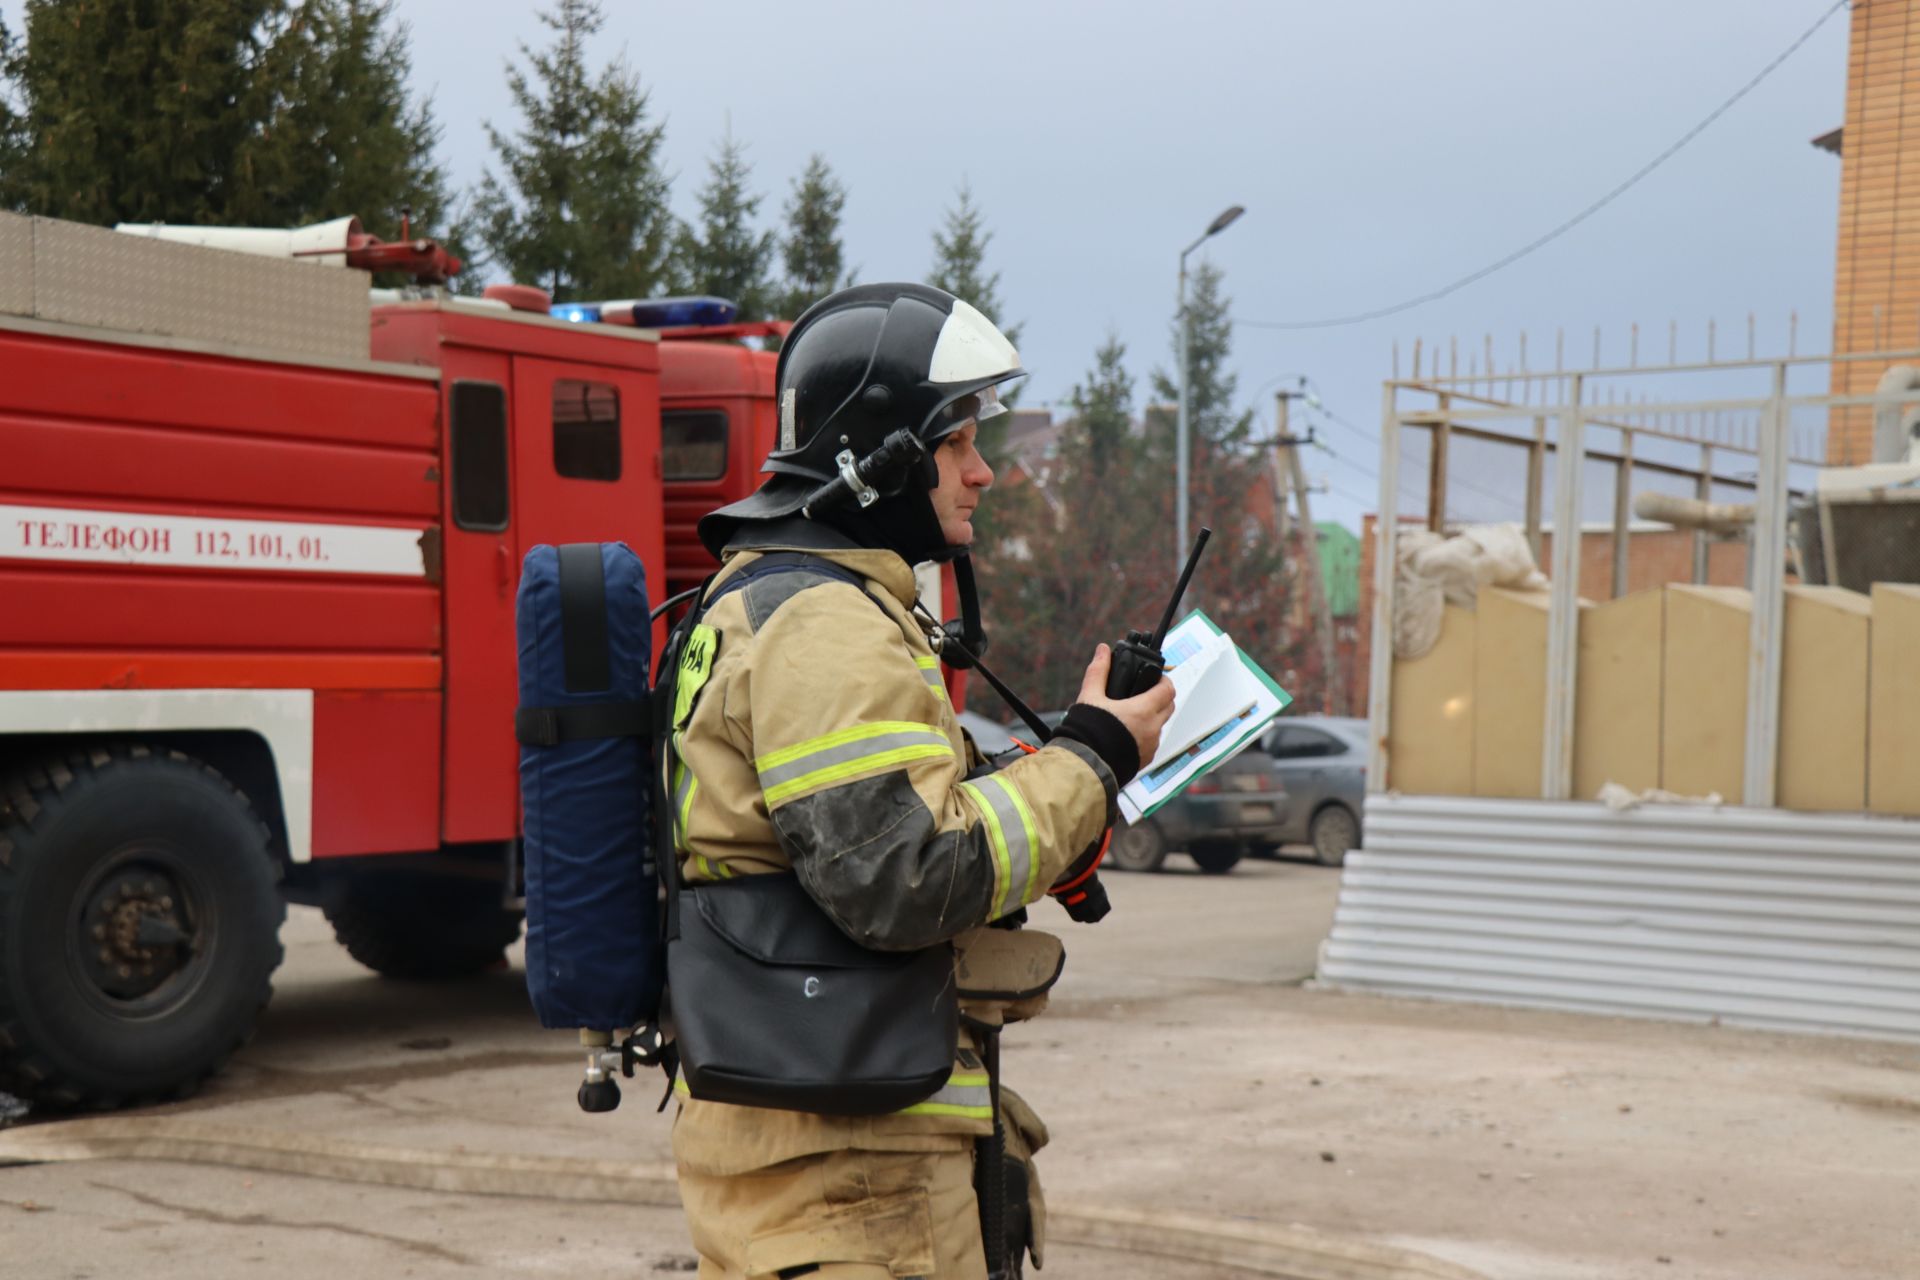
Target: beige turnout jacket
x,y
813,734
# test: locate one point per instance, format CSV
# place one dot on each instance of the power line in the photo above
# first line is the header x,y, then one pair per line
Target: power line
x,y
1407,483
1570,223
1350,496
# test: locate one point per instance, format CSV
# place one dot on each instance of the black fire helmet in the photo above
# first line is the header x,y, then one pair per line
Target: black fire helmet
x,y
857,366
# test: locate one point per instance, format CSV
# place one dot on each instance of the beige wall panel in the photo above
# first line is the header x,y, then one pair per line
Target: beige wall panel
x,y
1430,743
1893,717
1823,700
1616,724
1703,711
1509,692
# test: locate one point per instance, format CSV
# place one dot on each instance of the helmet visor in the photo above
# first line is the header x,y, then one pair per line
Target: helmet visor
x,y
975,406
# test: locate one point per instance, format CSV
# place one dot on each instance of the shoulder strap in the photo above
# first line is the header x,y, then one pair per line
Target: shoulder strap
x,y
666,857
586,661
779,562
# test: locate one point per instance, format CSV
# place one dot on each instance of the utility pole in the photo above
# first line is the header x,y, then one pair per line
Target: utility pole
x,y
1332,686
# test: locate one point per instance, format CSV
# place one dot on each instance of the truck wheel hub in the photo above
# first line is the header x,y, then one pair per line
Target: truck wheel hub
x,y
131,936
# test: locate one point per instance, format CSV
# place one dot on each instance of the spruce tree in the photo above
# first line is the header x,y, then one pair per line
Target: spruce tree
x,y
582,207
13,123
960,260
342,135
812,252
261,112
723,255
135,109
1210,387
1103,406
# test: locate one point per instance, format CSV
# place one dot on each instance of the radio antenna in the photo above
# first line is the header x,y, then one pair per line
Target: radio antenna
x,y
1180,587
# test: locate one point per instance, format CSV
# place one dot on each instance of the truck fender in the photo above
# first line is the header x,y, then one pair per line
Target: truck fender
x,y
282,718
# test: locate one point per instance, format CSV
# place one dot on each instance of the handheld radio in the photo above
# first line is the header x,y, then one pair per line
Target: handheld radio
x,y
1138,663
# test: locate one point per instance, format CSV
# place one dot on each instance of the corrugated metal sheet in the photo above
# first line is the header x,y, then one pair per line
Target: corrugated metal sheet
x,y
1761,917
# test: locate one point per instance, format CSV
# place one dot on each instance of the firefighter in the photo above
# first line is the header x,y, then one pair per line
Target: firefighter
x,y
822,744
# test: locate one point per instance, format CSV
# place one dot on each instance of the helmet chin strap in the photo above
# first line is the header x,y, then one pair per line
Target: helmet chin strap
x,y
965,632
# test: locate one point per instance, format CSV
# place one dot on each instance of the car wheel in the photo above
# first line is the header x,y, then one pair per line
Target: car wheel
x,y
1216,859
139,926
1138,846
1334,831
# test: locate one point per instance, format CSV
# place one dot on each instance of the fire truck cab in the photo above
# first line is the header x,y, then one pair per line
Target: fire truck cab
x,y
259,546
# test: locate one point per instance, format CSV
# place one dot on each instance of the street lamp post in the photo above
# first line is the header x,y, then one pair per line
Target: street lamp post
x,y
1180,443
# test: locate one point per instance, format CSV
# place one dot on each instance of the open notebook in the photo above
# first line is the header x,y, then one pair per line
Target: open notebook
x,y
1221,700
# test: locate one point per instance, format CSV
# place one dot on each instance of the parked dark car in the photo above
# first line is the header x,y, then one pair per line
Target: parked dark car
x,y
1323,762
1241,806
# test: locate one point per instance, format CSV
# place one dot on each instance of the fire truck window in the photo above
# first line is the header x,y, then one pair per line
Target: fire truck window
x,y
479,417
693,444
586,430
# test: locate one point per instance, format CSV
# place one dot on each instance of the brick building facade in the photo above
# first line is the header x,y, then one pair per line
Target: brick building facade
x,y
1876,286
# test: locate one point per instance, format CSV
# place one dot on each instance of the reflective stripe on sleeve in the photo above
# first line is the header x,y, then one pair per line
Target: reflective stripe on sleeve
x,y
964,1094
1010,830
845,754
930,672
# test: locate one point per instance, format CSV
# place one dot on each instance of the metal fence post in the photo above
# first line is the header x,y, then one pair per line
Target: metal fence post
x,y
1768,561
1703,490
1380,653
1536,475
1563,606
1622,513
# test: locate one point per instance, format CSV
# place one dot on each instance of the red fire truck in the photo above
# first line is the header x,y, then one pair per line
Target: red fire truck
x,y
259,542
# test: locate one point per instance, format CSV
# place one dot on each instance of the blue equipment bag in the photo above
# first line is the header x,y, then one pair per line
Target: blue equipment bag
x,y
595,957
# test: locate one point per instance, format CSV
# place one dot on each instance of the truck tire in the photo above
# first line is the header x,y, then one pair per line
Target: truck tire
x,y
407,924
139,926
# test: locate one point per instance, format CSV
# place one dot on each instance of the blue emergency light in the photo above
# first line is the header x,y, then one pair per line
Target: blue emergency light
x,y
678,313
650,313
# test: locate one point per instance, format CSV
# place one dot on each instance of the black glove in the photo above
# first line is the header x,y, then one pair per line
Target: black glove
x,y
1101,732
1071,887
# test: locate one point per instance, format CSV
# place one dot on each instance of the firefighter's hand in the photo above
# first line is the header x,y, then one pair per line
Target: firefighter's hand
x,y
1143,715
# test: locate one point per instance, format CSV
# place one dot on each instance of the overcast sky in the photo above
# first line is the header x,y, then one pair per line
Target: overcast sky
x,y
1381,149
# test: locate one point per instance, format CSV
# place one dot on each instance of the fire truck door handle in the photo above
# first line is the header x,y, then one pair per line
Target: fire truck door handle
x,y
502,564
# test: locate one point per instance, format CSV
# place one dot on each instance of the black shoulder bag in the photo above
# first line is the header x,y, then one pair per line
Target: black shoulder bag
x,y
771,1004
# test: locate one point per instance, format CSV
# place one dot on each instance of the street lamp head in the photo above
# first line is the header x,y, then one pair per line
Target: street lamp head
x,y
1224,221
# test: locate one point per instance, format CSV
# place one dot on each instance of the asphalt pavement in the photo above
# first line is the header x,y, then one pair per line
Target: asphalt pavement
x,y
1211,1116
345,1057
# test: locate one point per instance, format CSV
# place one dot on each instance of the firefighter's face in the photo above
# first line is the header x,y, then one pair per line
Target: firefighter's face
x,y
964,477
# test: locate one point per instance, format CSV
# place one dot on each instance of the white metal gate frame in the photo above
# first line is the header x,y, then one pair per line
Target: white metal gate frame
x,y
1576,409
1751,915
